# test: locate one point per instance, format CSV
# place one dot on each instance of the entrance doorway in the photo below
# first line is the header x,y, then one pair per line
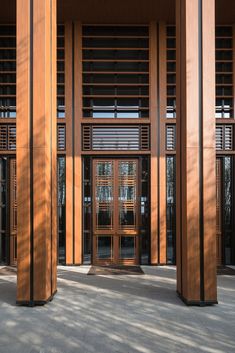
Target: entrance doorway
x,y
116,212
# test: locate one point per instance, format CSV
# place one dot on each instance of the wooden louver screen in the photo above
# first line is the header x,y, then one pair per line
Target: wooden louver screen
x,y
7,137
224,137
60,72
170,137
115,71
224,72
61,144
8,71
171,72
111,138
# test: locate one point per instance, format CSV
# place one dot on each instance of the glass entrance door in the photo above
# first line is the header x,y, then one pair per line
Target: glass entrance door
x,y
115,212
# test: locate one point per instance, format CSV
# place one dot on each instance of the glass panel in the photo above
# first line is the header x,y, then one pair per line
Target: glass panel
x,y
104,195
3,200
61,209
127,247
87,210
104,247
171,209
127,194
227,214
144,212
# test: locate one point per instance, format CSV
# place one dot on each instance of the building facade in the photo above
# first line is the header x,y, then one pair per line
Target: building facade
x,y
117,139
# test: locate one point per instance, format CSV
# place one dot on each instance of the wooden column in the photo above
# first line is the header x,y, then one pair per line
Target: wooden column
x,y
196,184
69,116
73,103
153,70
36,151
78,143
162,143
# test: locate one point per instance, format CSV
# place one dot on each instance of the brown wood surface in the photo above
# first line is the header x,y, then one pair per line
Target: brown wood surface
x,y
23,149
115,230
162,144
209,155
77,143
193,275
42,173
69,142
153,76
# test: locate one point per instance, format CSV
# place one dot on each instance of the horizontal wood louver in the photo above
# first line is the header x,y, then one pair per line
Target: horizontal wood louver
x,y
7,71
60,72
171,72
61,142
7,137
115,71
170,137
224,137
11,137
87,138
3,137
116,138
145,138
224,72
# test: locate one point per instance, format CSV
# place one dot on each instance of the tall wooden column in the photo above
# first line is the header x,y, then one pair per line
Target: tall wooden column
x,y
36,151
196,193
73,103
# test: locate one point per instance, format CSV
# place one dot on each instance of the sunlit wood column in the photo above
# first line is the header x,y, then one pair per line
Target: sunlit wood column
x,y
196,194
36,151
153,50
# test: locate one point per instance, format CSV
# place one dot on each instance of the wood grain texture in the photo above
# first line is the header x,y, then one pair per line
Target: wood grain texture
x,y
209,154
77,144
69,141
153,76
162,144
40,171
23,146
196,255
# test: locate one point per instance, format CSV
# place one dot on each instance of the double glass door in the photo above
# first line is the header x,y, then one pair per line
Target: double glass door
x,y
115,212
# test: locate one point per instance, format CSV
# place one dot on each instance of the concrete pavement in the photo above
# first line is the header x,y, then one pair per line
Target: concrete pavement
x,y
126,314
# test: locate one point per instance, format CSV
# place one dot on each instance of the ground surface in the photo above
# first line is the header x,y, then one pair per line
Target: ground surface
x,y
99,314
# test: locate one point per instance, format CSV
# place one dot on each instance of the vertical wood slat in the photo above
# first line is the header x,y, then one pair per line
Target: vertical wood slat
x,y
188,246
162,144
69,140
23,148
78,144
153,76
209,154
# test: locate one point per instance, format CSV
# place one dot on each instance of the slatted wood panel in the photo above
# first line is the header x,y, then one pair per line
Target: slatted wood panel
x,y
171,72
224,72
61,140
224,137
116,138
115,71
7,71
7,137
60,71
170,137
